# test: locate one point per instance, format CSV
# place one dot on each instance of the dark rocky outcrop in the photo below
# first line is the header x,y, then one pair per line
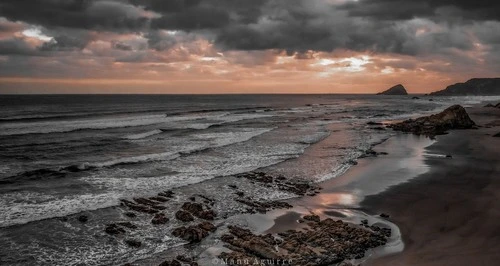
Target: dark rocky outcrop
x,y
133,243
396,90
326,242
184,216
476,86
160,218
454,117
199,210
194,233
83,218
118,228
497,135
114,229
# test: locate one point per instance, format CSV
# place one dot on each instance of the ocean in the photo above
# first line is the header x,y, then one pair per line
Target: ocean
x,y
64,155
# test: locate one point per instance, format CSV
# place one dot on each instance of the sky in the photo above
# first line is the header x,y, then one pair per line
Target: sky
x,y
245,46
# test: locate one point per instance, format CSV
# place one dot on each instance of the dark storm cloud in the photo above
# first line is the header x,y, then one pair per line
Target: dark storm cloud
x,y
82,14
294,26
16,46
408,9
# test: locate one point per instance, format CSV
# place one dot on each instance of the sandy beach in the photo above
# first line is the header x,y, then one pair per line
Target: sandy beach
x,y
449,215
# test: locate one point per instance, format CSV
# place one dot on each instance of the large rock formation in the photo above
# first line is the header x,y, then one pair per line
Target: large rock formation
x,y
477,86
396,90
454,117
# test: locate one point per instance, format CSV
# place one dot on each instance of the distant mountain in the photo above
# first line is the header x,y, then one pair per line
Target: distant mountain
x,y
477,86
396,90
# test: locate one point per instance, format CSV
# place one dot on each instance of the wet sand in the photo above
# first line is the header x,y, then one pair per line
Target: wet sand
x,y
450,215
443,211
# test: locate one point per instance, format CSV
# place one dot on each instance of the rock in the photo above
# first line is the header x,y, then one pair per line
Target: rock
x,y
476,86
83,218
184,216
159,199
128,225
371,123
138,207
240,193
133,243
192,207
415,98
130,214
431,100
448,156
149,202
489,105
171,263
166,194
206,215
114,229
454,117
160,218
497,135
396,90
233,186
194,233
312,218
385,216
207,226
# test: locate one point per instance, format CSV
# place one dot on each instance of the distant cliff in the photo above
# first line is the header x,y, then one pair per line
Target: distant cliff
x,y
396,90
478,86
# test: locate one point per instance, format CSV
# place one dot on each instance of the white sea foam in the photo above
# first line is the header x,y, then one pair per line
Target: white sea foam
x,y
143,135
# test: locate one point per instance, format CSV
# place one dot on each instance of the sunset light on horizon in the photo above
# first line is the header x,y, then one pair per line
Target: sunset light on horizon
x,y
264,46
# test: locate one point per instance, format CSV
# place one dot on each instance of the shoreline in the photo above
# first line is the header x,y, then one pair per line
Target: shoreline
x,y
373,201
448,215
268,203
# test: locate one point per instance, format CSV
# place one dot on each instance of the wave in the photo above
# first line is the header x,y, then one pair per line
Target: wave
x,y
143,135
60,116
61,172
257,108
215,140
177,122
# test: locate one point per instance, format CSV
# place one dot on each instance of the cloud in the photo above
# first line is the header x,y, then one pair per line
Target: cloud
x,y
81,14
408,9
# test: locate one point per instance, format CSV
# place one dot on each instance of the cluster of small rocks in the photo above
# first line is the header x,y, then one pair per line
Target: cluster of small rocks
x,y
300,188
263,206
323,242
